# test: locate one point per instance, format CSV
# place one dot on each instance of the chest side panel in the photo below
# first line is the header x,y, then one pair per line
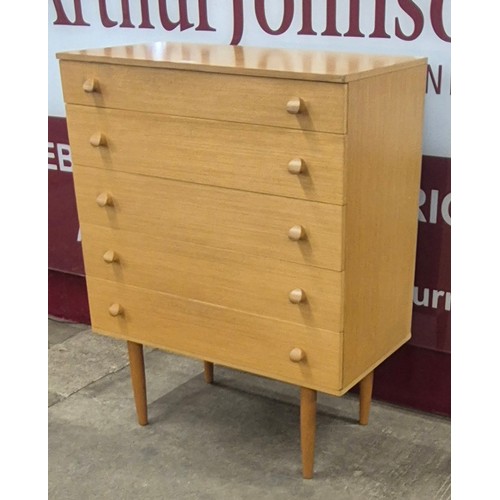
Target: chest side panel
x,y
384,158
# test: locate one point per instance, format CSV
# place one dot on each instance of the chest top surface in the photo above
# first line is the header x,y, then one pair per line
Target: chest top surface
x,y
256,61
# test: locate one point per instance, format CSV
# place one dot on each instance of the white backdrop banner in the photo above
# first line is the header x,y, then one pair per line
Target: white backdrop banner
x,y
398,27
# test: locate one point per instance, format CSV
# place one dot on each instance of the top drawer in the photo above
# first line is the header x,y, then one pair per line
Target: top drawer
x,y
235,98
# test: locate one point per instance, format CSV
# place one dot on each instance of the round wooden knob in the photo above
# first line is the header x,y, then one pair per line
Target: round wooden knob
x,y
90,85
115,309
295,105
297,233
104,200
297,295
110,256
296,166
297,355
98,139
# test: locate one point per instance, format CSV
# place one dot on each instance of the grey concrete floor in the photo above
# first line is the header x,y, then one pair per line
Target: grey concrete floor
x,y
235,439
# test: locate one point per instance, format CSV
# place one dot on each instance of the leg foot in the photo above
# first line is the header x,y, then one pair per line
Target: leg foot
x,y
209,372
307,430
138,376
365,398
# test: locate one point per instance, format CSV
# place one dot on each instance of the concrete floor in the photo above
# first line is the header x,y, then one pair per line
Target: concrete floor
x,y
236,439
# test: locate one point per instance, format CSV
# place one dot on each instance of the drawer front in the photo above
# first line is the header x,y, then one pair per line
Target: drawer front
x,y
244,341
242,156
257,285
254,224
243,99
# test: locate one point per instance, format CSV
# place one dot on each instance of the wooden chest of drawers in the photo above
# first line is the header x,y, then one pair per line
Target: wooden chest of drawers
x,y
254,208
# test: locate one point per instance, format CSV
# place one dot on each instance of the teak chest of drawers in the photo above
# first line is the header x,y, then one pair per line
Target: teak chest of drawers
x,y
254,208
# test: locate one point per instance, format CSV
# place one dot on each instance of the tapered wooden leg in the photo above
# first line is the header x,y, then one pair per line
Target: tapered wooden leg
x,y
365,398
209,372
138,376
307,430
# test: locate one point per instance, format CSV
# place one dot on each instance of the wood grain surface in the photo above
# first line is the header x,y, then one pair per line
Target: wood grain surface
x,y
243,99
242,156
219,335
249,283
315,65
383,182
255,224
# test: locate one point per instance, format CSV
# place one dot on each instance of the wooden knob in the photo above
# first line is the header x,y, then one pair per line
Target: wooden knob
x,y
110,256
104,200
98,139
90,85
297,233
297,355
295,105
297,295
296,166
115,309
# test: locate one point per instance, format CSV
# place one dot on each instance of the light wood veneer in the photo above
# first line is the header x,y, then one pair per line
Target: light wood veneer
x,y
250,223
249,342
213,96
196,150
254,208
245,282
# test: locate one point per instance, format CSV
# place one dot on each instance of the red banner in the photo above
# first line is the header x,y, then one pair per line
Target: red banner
x,y
431,326
65,250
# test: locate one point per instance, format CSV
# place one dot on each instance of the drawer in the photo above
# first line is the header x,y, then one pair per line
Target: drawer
x,y
244,341
251,223
249,283
235,98
249,157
